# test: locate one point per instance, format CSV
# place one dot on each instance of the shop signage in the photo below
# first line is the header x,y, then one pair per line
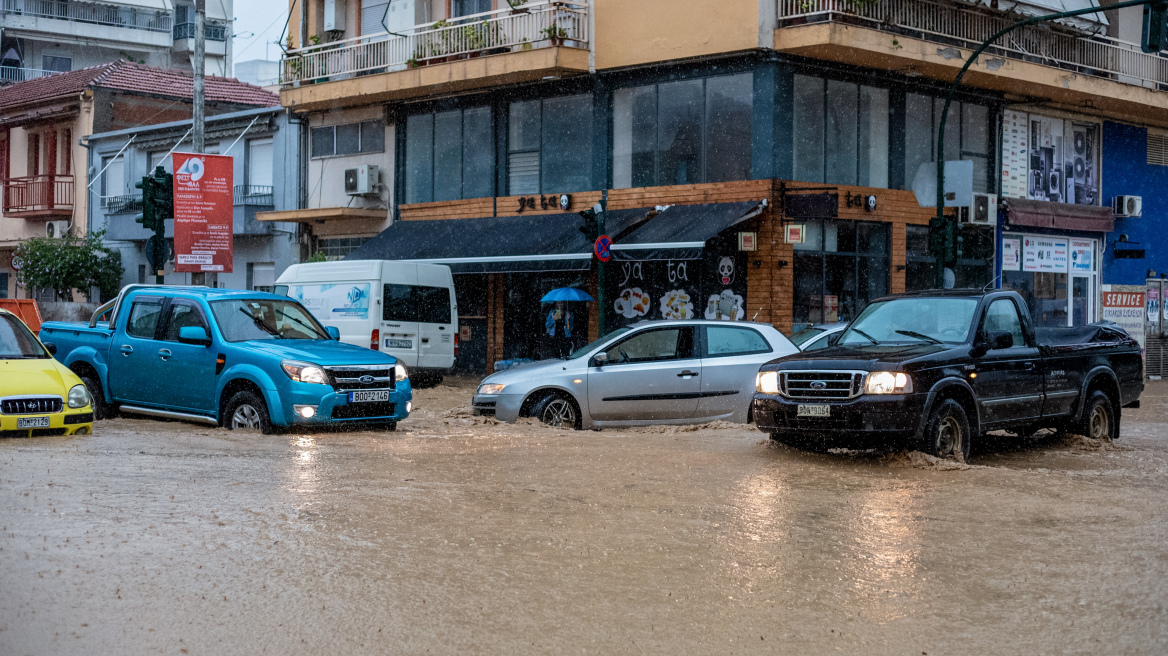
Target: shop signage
x,y
1127,310
464,334
860,200
562,201
796,232
1153,304
1082,255
1044,254
1011,255
202,212
748,241
603,248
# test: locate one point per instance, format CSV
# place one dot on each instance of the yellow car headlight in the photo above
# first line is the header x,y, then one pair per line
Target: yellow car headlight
x,y
767,382
78,396
887,382
491,388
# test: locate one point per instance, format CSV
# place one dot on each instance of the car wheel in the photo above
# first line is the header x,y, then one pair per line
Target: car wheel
x,y
557,410
948,433
1099,422
247,411
101,409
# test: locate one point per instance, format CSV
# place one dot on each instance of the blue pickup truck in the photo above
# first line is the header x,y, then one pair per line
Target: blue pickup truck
x,y
233,358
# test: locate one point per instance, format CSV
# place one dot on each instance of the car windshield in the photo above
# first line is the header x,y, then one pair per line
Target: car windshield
x,y
912,320
806,335
581,352
242,320
17,342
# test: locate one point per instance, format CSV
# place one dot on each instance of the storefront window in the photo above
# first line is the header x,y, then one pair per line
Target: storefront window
x,y
839,268
549,145
967,136
1062,167
449,155
1058,277
841,132
683,132
973,270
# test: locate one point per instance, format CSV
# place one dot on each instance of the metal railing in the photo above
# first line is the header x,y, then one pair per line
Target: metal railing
x,y
12,74
541,24
135,18
254,195
966,26
39,193
122,204
212,32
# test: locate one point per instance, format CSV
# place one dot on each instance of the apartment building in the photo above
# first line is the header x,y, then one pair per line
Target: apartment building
x,y
42,37
757,157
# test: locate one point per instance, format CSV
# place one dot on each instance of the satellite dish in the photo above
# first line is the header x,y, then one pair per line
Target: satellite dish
x,y
958,184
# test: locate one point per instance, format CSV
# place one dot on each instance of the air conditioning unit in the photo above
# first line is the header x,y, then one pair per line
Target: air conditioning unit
x,y
362,181
334,15
1125,206
56,229
983,211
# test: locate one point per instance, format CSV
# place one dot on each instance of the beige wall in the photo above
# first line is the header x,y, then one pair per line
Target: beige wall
x,y
326,176
631,32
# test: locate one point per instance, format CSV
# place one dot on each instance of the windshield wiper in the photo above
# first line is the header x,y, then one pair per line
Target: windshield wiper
x,y
260,324
913,333
301,323
866,336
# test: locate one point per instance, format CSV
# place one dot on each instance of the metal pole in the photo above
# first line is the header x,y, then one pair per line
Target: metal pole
x,y
600,298
200,66
940,218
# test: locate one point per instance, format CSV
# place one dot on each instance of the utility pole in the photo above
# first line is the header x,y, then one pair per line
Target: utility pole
x,y
199,96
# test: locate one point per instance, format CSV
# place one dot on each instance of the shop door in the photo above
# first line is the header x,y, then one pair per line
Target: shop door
x,y
1082,300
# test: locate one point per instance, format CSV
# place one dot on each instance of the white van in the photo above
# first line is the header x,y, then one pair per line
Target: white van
x,y
405,309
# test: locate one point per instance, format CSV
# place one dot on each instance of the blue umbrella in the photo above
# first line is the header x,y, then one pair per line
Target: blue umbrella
x,y
566,294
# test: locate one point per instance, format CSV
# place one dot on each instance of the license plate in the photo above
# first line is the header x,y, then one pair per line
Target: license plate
x,y
816,410
32,422
370,396
399,343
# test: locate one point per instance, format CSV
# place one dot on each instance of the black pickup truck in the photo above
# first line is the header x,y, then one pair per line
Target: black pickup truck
x,y
941,368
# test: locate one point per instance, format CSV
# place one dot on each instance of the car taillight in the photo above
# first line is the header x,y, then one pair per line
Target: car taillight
x,y
374,339
456,345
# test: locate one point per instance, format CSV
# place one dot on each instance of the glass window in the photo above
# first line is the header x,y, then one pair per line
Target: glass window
x,y
448,155
259,162
323,141
803,336
57,64
808,128
945,320
144,318
679,135
183,315
840,132
839,269
918,134
416,303
263,319
419,158
433,304
523,147
967,136
16,341
113,181
729,108
567,144
348,139
634,137
1002,316
478,153
372,137
817,344
873,135
468,7
652,346
734,341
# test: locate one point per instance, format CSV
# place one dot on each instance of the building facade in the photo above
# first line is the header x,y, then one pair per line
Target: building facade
x,y
794,132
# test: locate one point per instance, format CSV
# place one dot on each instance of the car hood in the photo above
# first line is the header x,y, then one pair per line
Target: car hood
x,y
39,376
863,358
319,351
527,371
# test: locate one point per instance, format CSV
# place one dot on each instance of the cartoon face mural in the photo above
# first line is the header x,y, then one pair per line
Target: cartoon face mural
x,y
726,270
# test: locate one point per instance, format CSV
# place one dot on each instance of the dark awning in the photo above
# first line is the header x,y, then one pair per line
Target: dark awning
x,y
1061,216
681,231
500,244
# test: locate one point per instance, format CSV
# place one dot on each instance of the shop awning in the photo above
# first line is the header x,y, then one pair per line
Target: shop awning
x,y
501,244
1060,216
680,232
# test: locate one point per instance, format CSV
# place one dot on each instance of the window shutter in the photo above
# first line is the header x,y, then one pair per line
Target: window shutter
x,y
372,11
523,173
1157,149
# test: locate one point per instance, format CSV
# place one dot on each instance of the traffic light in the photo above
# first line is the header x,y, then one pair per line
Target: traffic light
x,y
1155,27
591,226
147,216
163,194
944,242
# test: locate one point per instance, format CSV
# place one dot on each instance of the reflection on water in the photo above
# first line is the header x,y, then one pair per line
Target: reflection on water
x,y
886,550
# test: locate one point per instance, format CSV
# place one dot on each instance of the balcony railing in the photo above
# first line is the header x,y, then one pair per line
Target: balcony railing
x,y
260,195
212,32
135,18
966,26
540,24
39,194
13,74
122,204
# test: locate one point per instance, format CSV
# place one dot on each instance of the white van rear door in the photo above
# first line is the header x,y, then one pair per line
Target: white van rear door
x,y
399,326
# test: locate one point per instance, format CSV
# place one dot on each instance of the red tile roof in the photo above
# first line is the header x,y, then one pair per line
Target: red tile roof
x,y
134,78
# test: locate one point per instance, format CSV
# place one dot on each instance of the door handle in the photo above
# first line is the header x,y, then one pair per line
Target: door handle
x,y
164,354
127,349
687,373
1029,366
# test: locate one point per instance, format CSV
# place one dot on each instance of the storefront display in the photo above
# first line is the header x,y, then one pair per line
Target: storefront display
x,y
1058,277
839,267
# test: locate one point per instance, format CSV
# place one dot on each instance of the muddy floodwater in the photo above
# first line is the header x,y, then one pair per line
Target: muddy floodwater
x,y
459,535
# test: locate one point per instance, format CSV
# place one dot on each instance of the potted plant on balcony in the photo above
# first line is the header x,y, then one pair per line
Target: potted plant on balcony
x,y
554,34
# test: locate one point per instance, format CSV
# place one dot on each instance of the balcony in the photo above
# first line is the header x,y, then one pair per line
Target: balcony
x,y
534,41
254,195
130,204
212,32
14,74
135,18
39,196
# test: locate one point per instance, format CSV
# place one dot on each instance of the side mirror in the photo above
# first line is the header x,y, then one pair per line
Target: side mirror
x,y
333,332
600,359
51,348
194,335
1000,339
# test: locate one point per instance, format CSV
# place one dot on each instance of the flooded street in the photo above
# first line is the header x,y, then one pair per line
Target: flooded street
x,y
457,534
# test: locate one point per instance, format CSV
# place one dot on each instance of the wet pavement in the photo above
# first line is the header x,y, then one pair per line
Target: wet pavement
x,y
459,535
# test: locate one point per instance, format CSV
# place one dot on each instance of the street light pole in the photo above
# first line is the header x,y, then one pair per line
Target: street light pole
x,y
940,219
200,69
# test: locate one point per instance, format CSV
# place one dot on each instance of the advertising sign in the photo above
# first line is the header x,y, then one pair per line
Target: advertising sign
x,y
1153,304
343,302
1011,255
1082,252
1127,310
202,212
795,233
747,241
1044,254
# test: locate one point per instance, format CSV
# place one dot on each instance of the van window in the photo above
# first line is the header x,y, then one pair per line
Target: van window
x,y
417,303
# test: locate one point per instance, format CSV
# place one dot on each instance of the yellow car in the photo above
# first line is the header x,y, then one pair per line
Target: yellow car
x,y
38,395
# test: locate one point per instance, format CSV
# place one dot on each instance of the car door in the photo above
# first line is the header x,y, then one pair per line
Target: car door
x,y
189,368
651,374
1009,381
731,356
135,370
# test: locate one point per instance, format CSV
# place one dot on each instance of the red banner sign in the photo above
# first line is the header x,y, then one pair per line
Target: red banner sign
x,y
202,212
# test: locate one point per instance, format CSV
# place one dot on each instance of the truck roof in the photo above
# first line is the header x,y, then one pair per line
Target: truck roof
x,y
208,293
970,292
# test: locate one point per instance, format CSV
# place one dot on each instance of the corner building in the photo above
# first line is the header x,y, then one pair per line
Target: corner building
x,y
756,156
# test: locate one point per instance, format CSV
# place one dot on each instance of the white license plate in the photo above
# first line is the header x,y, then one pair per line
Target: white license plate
x,y
813,410
370,396
32,422
399,343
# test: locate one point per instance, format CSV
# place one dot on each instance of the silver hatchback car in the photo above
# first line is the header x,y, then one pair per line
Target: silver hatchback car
x,y
654,372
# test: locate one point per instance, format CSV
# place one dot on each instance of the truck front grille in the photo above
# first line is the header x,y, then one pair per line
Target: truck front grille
x,y
361,377
31,405
821,385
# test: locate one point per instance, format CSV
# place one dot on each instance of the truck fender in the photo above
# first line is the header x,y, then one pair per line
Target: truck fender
x,y
261,380
1088,379
939,387
90,356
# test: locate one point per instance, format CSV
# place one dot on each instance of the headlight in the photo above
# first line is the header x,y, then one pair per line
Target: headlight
x,y
400,372
768,382
304,372
78,396
886,382
493,388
